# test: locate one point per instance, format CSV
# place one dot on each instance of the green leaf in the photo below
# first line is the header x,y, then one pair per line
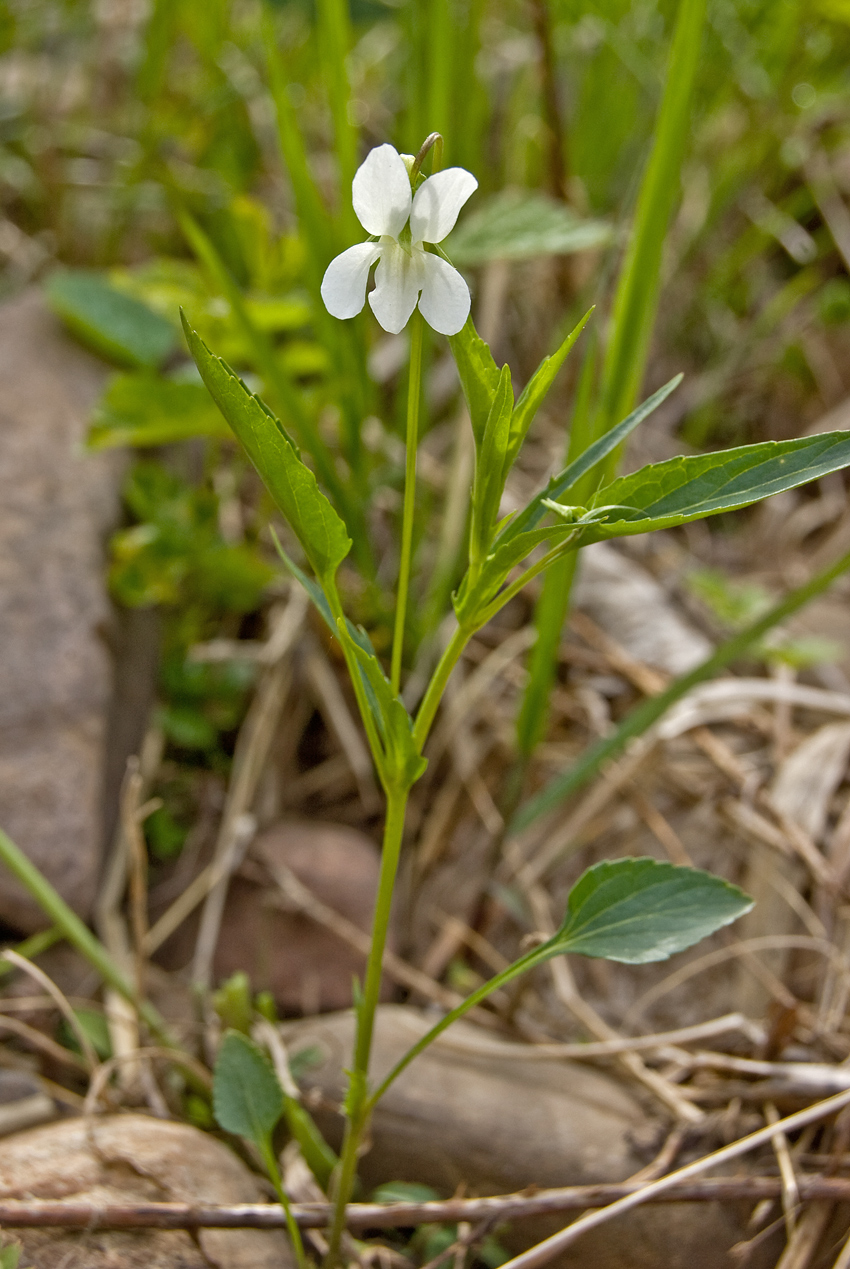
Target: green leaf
x,y
144,409
559,486
247,1097
115,325
535,391
479,375
689,488
518,226
640,910
290,482
401,761
490,466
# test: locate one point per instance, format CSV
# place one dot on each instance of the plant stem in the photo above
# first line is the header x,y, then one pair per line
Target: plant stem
x,y
525,963
437,685
414,392
358,1105
267,1151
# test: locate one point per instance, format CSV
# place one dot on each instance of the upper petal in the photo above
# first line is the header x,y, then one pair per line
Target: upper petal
x,y
445,296
438,202
381,192
344,283
398,281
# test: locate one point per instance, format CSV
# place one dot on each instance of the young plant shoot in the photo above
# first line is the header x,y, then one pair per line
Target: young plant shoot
x,y
631,910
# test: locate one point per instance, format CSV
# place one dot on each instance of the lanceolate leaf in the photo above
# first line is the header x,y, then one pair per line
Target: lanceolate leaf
x,y
293,486
559,486
684,489
402,763
535,391
116,325
247,1098
640,910
479,375
490,466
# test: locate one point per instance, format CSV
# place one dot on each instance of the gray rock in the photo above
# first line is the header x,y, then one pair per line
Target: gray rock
x,y
478,1111
56,506
132,1158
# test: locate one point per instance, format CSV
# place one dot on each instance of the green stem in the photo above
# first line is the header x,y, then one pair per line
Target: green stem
x,y
357,1100
78,934
267,1151
436,687
414,393
522,966
641,718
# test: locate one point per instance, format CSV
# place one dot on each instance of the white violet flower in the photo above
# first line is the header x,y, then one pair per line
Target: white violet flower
x,y
406,272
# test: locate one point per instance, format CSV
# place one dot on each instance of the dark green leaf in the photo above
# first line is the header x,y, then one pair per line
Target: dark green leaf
x,y
559,486
518,226
535,391
114,324
640,910
684,489
291,483
144,409
479,375
247,1097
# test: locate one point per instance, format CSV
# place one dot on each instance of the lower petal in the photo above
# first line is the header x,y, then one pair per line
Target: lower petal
x,y
398,281
344,283
445,296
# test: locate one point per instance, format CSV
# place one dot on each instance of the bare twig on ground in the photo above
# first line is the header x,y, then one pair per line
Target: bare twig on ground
x,y
70,1214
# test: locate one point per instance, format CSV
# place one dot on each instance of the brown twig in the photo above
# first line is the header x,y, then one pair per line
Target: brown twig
x,y
66,1214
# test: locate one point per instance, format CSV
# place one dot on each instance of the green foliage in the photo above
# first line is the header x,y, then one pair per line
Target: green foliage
x,y
232,1003
175,553
733,603
518,225
10,1254
690,488
293,486
144,410
479,375
247,1098
639,910
94,1026
115,325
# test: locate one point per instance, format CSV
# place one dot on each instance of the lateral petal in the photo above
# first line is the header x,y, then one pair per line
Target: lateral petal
x,y
344,283
445,296
398,281
381,192
437,203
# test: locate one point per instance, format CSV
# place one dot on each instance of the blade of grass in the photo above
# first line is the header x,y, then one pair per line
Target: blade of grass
x,y
344,340
624,362
641,718
636,299
77,933
334,37
551,609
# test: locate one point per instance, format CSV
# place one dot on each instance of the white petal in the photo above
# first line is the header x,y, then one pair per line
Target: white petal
x,y
381,192
445,296
438,202
398,281
344,283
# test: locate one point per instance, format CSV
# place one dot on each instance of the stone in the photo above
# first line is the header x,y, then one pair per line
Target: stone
x,y
134,1158
56,507
306,967
477,1111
